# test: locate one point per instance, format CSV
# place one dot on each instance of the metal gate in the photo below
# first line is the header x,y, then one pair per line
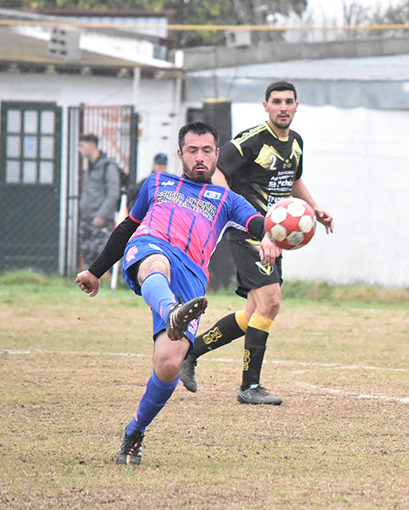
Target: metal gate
x,y
30,186
117,130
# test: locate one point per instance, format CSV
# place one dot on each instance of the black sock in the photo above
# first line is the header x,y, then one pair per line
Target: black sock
x,y
254,349
223,332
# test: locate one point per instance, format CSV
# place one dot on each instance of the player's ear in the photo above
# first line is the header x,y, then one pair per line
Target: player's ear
x,y
180,154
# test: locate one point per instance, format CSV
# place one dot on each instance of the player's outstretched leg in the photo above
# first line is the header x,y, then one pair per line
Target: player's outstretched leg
x,y
225,330
181,314
130,451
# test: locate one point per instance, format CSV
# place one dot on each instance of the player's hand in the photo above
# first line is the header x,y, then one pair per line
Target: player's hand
x,y
88,283
326,219
268,250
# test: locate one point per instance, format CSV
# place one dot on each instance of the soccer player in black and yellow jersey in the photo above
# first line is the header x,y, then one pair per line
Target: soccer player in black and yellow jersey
x,y
264,164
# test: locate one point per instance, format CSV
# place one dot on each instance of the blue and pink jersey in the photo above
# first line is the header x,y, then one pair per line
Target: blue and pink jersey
x,y
189,216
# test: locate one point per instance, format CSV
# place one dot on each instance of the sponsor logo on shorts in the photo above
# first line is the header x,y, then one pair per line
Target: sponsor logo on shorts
x,y
192,328
264,268
154,247
131,254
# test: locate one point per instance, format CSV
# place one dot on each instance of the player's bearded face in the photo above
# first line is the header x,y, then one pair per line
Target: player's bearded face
x,y
281,107
199,156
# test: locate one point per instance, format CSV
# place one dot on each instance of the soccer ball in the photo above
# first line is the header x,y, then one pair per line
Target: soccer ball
x,y
291,223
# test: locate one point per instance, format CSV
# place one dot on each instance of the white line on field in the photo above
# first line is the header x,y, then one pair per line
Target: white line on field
x,y
231,360
73,353
311,363
352,394
225,360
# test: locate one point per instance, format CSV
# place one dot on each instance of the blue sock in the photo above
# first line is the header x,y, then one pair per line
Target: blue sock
x,y
156,293
156,395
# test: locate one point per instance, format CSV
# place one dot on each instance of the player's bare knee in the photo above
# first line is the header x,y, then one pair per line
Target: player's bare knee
x,y
274,309
168,370
155,263
270,307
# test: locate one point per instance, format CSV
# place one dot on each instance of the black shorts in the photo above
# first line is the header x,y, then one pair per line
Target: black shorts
x,y
251,273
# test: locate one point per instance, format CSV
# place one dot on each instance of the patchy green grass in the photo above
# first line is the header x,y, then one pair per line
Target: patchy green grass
x,y
73,368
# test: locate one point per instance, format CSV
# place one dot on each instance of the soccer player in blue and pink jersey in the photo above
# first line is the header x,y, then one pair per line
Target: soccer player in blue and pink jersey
x,y
166,242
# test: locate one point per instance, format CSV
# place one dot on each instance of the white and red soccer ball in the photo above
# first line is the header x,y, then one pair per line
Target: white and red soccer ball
x,y
291,223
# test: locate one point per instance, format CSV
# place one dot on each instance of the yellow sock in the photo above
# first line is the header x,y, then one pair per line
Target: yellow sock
x,y
241,319
257,321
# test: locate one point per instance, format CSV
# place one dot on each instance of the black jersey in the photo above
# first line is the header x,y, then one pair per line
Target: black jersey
x,y
260,166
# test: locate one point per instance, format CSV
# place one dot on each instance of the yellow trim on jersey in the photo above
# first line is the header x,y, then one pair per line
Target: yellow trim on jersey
x,y
261,191
268,127
265,159
264,195
249,134
296,151
242,320
282,139
257,321
262,205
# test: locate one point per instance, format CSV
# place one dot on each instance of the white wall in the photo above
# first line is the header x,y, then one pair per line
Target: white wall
x,y
356,166
159,107
155,103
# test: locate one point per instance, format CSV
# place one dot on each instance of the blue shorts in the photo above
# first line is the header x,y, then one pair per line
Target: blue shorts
x,y
184,283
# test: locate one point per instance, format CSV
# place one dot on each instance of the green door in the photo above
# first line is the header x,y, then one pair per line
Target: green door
x,y
30,186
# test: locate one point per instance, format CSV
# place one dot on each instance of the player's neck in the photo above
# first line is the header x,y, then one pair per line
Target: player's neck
x,y
279,132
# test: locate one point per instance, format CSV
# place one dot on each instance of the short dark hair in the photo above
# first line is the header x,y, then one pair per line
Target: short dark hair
x,y
89,138
280,86
198,128
160,159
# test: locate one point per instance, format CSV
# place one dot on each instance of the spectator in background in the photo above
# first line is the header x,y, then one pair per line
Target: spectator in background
x,y
160,164
99,199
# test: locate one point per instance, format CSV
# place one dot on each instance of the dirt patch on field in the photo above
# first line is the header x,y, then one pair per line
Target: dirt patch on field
x,y
71,377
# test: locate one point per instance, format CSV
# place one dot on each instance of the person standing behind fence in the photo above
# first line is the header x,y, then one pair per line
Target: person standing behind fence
x,y
99,200
160,164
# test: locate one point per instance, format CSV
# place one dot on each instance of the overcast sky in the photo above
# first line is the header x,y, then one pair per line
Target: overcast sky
x,y
327,11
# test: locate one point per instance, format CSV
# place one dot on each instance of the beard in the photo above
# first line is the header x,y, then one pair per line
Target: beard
x,y
198,176
282,124
201,177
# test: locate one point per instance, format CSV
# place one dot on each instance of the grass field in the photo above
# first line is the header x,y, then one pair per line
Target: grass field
x,y
73,368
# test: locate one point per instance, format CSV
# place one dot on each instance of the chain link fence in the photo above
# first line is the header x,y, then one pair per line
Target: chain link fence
x,y
355,166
